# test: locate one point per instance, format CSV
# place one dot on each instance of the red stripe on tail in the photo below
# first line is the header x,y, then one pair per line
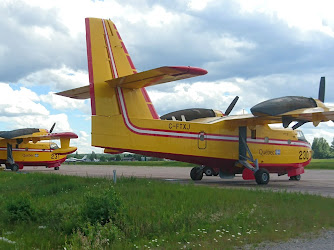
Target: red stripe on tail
x,y
90,67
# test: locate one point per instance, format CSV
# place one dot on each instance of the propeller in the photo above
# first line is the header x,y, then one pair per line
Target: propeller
x,y
51,129
231,106
321,97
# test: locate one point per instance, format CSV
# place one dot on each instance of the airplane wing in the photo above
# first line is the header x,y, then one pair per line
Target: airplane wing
x,y
140,80
314,115
34,134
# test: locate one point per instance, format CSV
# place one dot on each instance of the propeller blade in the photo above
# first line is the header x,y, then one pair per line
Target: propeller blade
x,y
231,106
298,124
53,126
321,96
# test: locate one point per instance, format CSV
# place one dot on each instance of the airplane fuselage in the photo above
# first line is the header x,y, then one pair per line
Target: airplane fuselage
x,y
32,154
207,141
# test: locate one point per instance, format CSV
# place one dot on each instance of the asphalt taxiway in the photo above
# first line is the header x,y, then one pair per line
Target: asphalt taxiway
x,y
320,182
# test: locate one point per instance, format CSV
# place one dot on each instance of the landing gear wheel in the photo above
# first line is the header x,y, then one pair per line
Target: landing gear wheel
x,y
295,178
262,176
15,167
196,174
208,171
56,168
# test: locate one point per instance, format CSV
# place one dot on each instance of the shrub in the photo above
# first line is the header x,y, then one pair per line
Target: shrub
x,y
95,236
20,209
102,208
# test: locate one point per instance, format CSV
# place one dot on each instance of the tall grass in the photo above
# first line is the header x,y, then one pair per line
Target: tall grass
x,y
78,212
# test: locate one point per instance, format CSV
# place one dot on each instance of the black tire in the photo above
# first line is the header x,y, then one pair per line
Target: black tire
x,y
295,178
208,171
262,176
56,168
196,174
15,167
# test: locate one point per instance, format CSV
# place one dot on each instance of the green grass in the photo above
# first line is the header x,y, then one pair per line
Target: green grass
x,y
321,164
144,212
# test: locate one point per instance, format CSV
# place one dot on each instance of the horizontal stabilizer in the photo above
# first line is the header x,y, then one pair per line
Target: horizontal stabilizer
x,y
64,151
140,80
78,93
156,76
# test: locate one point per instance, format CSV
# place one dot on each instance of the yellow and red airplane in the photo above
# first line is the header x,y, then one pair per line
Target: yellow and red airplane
x,y
21,147
124,118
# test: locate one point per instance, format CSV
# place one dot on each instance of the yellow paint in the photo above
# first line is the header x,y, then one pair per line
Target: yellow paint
x,y
31,150
110,131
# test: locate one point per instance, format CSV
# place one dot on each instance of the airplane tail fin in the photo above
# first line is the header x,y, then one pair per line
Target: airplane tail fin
x,y
116,90
109,59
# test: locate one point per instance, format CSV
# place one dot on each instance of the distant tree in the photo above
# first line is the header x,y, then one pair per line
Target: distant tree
x,y
76,154
118,158
332,148
92,156
102,158
137,157
321,149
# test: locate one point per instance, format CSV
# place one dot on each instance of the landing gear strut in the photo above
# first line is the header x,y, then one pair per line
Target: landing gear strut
x,y
10,161
261,175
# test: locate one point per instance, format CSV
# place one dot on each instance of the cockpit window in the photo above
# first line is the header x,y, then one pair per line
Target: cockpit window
x,y
301,136
53,145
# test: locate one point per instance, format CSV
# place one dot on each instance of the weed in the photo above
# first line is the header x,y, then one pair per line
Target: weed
x,y
102,208
94,236
20,209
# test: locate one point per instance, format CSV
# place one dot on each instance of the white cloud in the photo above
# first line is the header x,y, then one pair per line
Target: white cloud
x,y
65,103
198,5
196,95
19,102
58,79
38,121
305,15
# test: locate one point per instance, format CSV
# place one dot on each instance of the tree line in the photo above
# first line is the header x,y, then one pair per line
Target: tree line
x,y
321,149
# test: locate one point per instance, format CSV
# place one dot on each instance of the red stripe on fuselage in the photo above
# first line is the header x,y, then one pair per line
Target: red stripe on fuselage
x,y
228,165
190,135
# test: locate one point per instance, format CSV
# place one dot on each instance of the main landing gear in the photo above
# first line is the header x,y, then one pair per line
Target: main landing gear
x,y
262,176
197,173
14,167
10,161
295,178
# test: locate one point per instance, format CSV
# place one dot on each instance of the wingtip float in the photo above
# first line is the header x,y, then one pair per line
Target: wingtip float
x,y
124,118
